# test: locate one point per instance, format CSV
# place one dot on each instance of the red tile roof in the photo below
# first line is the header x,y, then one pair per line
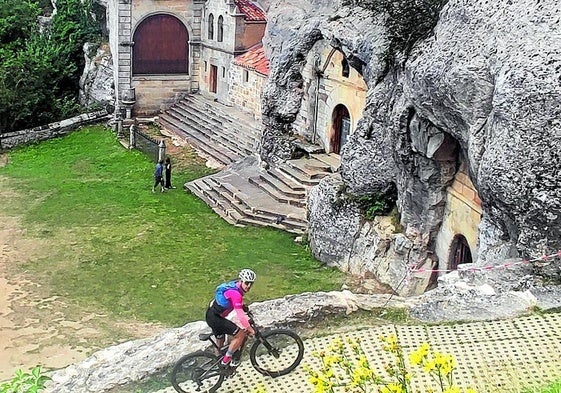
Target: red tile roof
x,y
251,10
254,59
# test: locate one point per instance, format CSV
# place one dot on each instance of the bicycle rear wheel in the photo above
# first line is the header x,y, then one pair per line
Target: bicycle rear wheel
x,y
277,352
197,372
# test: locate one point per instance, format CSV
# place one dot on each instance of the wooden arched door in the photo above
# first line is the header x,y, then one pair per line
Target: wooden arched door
x,y
161,46
460,252
341,121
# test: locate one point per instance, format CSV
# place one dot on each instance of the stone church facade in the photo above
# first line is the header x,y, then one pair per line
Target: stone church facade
x,y
333,100
167,47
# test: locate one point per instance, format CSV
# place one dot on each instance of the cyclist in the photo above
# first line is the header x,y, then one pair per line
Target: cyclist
x,y
228,297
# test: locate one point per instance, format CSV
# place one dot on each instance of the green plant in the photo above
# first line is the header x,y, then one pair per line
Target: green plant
x,y
376,204
552,388
345,367
396,220
22,382
40,71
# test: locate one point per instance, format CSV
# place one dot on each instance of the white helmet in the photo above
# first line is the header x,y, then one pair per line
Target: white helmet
x,y
247,275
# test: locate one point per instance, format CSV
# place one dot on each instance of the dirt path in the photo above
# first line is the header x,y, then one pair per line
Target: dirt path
x,y
37,327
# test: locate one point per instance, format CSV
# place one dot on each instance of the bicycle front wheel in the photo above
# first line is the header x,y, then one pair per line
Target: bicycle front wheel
x,y
197,372
277,352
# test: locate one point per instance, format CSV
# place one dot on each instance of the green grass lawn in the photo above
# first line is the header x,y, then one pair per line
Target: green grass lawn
x,y
114,246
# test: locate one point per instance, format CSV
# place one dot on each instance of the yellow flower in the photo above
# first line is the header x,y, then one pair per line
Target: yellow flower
x,y
415,358
429,366
331,359
392,388
471,390
452,389
445,363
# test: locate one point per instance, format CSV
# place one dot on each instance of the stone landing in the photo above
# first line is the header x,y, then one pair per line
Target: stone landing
x,y
246,194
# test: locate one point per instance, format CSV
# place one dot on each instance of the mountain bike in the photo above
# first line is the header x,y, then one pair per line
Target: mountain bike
x,y
274,353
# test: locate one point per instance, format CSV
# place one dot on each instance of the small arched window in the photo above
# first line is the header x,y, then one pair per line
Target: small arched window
x,y
220,34
346,70
211,27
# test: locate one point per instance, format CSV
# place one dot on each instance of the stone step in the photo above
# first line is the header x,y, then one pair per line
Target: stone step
x,y
310,167
205,117
279,193
283,182
247,136
199,141
221,111
331,159
194,125
217,203
265,212
234,207
295,175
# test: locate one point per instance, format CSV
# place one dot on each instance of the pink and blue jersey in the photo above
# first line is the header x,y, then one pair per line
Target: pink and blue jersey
x,y
228,297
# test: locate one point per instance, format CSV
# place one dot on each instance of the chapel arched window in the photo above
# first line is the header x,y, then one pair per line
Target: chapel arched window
x,y
211,27
220,34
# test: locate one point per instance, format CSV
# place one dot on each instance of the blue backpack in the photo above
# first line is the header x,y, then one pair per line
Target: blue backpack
x,y
219,293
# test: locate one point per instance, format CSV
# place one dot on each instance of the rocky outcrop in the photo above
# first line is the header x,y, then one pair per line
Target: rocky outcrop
x,y
96,82
484,88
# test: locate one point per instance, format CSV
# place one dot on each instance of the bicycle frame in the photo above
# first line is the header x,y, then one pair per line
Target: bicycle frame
x,y
266,346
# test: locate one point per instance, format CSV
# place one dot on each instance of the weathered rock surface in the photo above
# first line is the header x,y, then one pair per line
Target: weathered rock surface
x,y
484,88
96,82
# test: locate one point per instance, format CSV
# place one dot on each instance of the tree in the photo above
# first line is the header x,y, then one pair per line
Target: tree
x,y
40,72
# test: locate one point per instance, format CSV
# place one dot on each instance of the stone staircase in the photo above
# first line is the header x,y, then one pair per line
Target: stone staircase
x,y
244,193
218,132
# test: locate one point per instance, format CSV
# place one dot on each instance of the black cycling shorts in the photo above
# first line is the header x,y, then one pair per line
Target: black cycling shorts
x,y
220,325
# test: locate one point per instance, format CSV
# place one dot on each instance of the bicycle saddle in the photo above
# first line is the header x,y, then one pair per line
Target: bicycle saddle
x,y
205,336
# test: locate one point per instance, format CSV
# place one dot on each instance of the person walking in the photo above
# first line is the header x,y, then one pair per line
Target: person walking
x,y
158,179
167,167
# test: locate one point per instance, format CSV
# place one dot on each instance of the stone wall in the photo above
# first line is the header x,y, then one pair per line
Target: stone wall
x,y
325,88
246,95
60,128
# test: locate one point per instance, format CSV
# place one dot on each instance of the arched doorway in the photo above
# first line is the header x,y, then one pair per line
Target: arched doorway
x,y
341,121
161,46
460,252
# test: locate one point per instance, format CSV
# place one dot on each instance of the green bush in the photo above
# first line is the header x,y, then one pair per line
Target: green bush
x,y
40,72
377,203
23,382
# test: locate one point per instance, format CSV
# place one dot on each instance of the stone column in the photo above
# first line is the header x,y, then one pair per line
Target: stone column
x,y
161,150
132,137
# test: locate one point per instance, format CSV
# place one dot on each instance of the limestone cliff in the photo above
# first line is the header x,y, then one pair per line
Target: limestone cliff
x,y
483,89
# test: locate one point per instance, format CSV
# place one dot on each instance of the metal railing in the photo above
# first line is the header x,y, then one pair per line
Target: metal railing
x,y
140,141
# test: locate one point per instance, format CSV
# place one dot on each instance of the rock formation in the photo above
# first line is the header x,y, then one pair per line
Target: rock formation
x,y
484,88
96,83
